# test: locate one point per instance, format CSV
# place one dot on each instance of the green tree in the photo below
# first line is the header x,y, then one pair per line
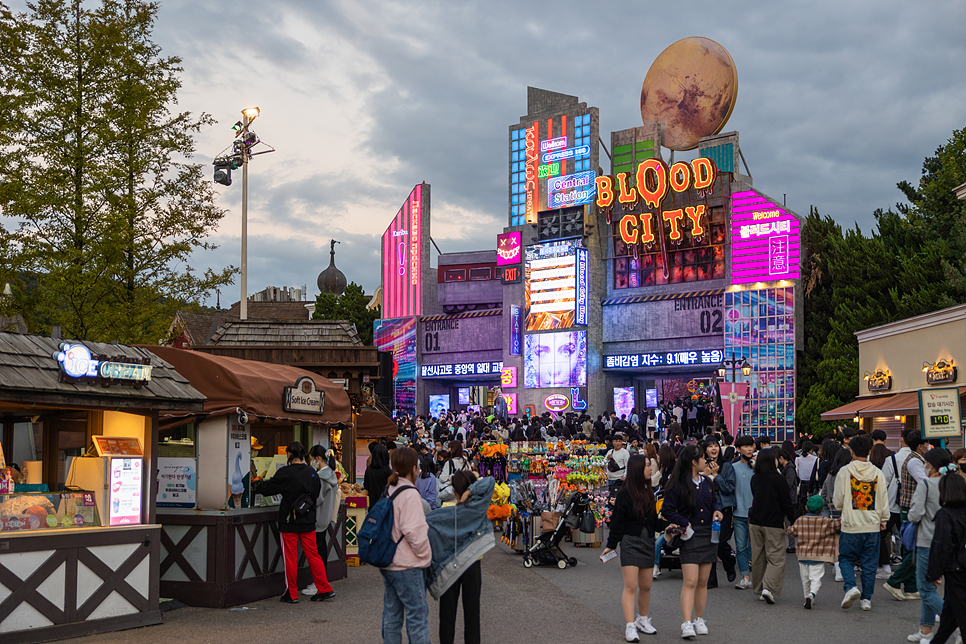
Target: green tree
x,y
96,170
351,306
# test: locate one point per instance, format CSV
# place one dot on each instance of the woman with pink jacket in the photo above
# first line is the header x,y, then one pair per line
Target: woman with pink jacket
x,y
405,586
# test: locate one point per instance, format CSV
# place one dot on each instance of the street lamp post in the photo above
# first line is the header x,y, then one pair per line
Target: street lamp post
x,y
733,362
245,140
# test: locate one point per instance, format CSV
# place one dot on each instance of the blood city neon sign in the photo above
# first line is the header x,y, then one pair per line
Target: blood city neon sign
x,y
653,181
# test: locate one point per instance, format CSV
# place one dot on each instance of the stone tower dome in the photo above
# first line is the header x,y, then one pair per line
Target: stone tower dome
x,y
332,280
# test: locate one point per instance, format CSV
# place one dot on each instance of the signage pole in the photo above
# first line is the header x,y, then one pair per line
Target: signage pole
x,y
243,311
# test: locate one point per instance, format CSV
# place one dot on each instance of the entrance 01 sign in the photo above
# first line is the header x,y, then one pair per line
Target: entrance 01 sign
x,y
940,413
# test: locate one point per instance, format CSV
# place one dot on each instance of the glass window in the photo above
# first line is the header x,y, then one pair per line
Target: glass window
x,y
454,275
481,274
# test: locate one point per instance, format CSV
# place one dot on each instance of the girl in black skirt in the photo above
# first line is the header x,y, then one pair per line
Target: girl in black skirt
x,y
947,556
690,501
632,525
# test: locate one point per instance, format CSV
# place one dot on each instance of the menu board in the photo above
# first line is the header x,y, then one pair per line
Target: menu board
x,y
125,494
114,446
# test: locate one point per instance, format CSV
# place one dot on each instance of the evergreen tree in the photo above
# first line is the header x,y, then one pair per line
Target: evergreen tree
x,y
95,170
351,306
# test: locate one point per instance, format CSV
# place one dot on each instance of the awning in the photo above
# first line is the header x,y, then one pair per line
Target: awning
x,y
258,388
849,411
897,405
373,424
904,404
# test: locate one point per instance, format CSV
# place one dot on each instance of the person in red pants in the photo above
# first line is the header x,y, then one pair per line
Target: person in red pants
x,y
299,485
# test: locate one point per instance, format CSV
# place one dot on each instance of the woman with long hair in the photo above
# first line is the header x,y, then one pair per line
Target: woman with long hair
x,y
650,451
426,481
842,458
666,459
922,512
885,460
377,472
404,598
690,503
945,563
632,525
770,507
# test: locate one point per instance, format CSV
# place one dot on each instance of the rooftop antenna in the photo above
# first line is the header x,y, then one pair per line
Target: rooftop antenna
x,y
218,299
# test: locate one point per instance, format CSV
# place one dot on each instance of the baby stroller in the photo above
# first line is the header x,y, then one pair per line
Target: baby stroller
x,y
546,548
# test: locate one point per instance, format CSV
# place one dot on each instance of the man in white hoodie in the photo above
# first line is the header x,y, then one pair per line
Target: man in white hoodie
x,y
861,494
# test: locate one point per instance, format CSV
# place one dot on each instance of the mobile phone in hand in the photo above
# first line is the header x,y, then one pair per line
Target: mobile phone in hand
x,y
610,555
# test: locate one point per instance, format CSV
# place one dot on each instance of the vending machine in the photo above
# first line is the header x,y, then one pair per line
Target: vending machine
x,y
115,476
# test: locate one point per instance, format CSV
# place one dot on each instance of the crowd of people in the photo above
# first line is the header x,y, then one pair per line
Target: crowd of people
x,y
696,492
843,503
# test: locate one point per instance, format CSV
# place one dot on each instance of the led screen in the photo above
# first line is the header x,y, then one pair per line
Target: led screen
x,y
463,395
623,401
650,398
403,255
765,240
760,328
399,337
555,360
555,285
438,404
509,248
553,163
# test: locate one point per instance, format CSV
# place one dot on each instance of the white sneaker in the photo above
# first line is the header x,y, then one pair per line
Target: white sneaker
x,y
767,596
687,630
850,597
630,633
310,590
838,572
915,637
866,604
644,625
743,584
883,572
700,627
657,572
895,592
927,637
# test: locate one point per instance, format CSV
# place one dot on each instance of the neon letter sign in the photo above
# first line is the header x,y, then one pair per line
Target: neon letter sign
x,y
628,228
533,133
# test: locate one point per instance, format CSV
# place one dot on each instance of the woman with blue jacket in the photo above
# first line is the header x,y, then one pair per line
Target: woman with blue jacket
x,y
459,536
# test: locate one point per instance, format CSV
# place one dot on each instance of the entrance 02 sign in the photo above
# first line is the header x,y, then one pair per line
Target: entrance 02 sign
x,y
940,413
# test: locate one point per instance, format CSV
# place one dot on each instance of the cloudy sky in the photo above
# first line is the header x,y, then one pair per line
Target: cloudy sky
x,y
837,102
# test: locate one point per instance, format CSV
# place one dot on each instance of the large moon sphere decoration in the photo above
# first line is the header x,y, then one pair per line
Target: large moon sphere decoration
x,y
691,88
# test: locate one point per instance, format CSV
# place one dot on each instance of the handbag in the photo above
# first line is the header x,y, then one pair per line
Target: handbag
x,y
612,465
588,523
907,534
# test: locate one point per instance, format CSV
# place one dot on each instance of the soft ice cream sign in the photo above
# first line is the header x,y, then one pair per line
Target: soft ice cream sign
x,y
304,397
78,363
765,240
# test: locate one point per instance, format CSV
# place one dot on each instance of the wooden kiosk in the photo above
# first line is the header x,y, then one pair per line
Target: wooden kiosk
x,y
67,566
221,546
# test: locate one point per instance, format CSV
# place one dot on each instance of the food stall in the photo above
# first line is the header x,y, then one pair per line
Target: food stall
x,y
79,542
220,541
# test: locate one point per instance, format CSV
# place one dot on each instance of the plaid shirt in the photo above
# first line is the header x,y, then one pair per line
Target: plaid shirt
x,y
817,539
907,484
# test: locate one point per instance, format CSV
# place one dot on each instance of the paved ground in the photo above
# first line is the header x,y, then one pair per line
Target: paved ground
x,y
544,604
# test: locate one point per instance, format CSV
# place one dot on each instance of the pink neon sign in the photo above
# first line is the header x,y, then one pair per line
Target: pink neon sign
x,y
765,240
509,248
402,256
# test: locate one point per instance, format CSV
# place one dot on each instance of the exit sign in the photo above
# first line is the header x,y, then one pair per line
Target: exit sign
x,y
511,274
